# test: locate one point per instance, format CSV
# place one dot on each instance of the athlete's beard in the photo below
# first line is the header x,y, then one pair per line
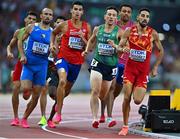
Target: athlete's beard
x,y
46,22
143,24
125,19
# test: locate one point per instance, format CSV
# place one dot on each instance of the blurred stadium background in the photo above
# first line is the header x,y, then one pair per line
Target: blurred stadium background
x,y
165,19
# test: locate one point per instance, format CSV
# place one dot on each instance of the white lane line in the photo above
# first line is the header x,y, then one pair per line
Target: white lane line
x,y
67,135
3,138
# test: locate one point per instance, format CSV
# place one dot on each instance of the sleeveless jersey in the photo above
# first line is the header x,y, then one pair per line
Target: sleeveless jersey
x,y
124,56
72,45
104,52
38,45
140,47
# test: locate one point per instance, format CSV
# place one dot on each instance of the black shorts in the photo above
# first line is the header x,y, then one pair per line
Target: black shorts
x,y
108,72
52,78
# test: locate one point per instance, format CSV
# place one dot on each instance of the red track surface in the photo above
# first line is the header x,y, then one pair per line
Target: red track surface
x,y
76,121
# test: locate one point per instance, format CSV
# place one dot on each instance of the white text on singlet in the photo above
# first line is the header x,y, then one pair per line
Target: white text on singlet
x,y
105,49
40,48
138,55
75,43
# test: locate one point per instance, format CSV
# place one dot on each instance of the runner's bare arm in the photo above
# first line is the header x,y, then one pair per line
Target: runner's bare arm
x,y
158,44
123,41
25,36
60,29
89,31
91,42
119,35
12,43
28,30
88,35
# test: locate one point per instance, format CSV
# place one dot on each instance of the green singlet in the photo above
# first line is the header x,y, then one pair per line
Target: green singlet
x,y
104,52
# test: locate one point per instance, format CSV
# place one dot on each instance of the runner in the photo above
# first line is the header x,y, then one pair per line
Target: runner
x,y
140,38
75,34
30,18
51,82
116,86
35,59
104,63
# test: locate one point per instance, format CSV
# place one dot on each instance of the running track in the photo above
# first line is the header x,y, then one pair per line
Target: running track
x,y
76,121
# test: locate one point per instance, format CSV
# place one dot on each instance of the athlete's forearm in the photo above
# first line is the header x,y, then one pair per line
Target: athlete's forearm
x,y
159,58
20,47
160,48
90,45
88,35
9,50
11,44
52,43
119,48
123,40
84,40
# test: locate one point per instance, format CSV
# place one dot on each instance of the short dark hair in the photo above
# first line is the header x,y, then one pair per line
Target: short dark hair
x,y
144,9
32,13
111,8
77,3
60,17
125,5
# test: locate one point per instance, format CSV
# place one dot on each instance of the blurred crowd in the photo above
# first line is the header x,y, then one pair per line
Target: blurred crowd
x,y
12,13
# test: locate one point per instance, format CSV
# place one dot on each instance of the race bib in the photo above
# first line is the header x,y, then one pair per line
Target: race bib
x,y
105,49
75,43
48,80
40,48
114,71
94,63
138,55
